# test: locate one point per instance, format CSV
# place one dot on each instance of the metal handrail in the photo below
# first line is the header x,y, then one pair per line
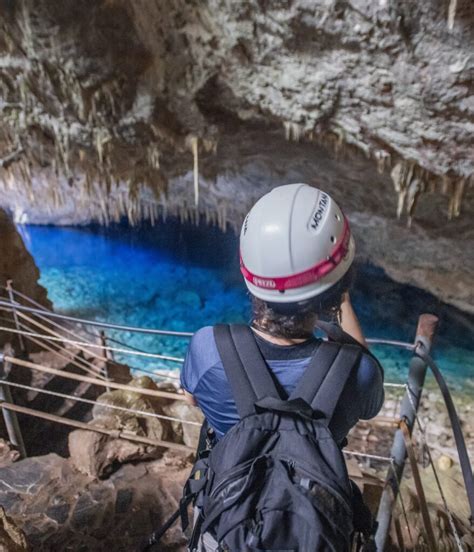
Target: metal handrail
x,y
11,306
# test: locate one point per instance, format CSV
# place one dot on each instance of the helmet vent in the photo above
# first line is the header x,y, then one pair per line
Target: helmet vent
x,y
338,217
333,239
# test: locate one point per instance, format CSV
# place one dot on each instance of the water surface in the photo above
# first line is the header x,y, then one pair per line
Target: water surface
x,y
183,277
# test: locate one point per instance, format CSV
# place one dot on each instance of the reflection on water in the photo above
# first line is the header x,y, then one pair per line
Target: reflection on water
x,y
183,277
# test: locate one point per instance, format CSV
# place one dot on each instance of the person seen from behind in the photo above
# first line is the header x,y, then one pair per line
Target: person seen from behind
x,y
296,253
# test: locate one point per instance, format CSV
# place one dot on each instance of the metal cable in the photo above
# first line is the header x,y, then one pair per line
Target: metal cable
x,y
95,381
464,461
80,362
427,449
131,352
92,353
392,343
366,455
53,332
162,375
115,433
402,502
129,346
98,324
96,345
90,401
44,311
70,358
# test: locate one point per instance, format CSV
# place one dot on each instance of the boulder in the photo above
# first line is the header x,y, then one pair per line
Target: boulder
x,y
184,411
98,454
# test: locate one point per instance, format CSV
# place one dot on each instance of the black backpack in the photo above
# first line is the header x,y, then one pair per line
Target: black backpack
x,y
277,481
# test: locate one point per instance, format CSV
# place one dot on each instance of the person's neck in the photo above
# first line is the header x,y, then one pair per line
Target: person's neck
x,y
279,340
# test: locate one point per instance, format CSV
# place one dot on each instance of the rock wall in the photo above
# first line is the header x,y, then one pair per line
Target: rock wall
x,y
18,265
154,107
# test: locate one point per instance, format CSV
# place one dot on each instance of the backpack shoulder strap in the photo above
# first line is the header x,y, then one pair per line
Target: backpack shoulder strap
x,y
331,389
336,333
245,367
317,370
329,369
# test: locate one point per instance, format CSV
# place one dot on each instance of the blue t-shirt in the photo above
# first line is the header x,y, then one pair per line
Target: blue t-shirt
x,y
204,377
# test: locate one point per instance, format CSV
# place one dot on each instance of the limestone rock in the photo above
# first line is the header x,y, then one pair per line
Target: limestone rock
x,y
59,508
445,462
7,454
183,411
98,455
358,87
18,265
12,539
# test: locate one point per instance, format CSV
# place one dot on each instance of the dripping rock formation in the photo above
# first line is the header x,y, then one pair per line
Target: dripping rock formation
x,y
168,107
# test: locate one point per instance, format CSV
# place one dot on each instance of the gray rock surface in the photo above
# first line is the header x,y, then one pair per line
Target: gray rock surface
x,y
190,433
58,508
107,107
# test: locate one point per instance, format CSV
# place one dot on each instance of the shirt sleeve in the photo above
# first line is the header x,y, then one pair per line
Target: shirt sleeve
x,y
199,356
188,370
370,382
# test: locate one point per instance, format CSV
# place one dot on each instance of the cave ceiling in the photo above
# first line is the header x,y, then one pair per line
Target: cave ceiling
x,y
142,109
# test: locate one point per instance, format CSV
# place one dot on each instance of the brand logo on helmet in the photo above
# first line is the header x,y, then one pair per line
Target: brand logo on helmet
x,y
246,223
260,282
319,212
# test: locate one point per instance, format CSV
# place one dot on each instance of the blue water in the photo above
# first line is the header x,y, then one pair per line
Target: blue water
x,y
183,277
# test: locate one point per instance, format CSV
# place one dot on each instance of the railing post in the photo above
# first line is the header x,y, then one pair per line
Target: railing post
x,y
10,418
106,352
15,316
427,324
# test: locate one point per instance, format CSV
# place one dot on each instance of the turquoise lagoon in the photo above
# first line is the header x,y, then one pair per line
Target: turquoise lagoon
x,y
182,277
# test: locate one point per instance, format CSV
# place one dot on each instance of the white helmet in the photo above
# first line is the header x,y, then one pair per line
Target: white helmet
x,y
295,243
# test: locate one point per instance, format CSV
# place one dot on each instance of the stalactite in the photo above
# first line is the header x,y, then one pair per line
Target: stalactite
x,y
130,215
101,137
55,198
116,212
456,198
446,185
293,131
415,189
383,159
453,4
432,185
195,148
153,156
340,141
152,214
401,174
210,145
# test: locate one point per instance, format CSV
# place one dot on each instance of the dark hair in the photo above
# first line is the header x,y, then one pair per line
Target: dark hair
x,y
297,320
